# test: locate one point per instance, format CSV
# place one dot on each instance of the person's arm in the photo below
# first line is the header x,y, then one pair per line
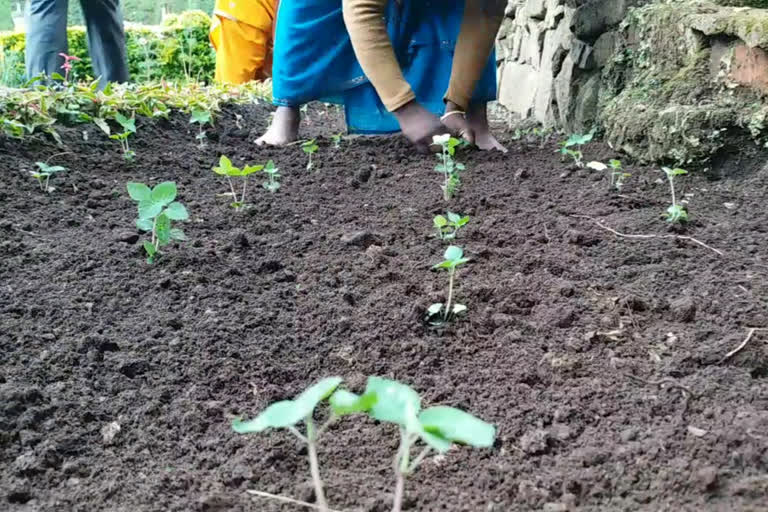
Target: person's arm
x,y
368,32
479,27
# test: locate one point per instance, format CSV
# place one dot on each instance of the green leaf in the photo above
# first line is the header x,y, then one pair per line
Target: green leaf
x,y
226,168
102,124
250,169
144,224
49,169
453,217
453,253
149,248
138,191
270,167
459,309
200,117
289,412
149,209
129,125
164,193
458,426
176,211
462,221
177,234
434,309
440,221
344,402
395,401
163,229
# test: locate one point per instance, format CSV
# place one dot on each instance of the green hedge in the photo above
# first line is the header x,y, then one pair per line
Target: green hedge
x,y
178,50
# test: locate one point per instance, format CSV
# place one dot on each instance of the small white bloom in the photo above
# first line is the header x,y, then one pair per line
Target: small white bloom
x,y
598,166
441,139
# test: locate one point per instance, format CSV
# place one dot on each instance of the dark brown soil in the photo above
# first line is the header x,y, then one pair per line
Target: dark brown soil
x,y
331,275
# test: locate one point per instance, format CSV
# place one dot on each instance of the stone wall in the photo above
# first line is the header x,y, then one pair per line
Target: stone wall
x,y
664,80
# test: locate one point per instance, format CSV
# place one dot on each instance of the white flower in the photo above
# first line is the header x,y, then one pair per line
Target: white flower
x,y
441,139
598,166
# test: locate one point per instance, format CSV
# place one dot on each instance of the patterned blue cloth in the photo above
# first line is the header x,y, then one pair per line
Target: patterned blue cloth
x,y
314,59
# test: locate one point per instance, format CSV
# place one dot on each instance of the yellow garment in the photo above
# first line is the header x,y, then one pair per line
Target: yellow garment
x,y
241,34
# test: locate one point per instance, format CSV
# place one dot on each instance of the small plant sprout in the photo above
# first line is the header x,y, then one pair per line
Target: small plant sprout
x,y
157,209
129,128
225,168
67,66
288,413
337,140
310,147
676,213
448,227
437,427
273,177
439,313
447,166
201,118
44,173
617,174
566,147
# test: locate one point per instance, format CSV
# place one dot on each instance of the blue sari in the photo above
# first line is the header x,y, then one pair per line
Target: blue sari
x,y
314,59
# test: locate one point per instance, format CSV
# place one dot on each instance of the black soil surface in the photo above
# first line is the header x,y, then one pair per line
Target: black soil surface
x,y
601,359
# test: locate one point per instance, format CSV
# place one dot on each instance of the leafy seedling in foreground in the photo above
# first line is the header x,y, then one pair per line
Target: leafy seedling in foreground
x,y
448,227
201,118
337,140
437,427
129,128
44,173
310,147
273,177
676,213
288,413
157,210
225,168
575,140
448,167
617,174
439,313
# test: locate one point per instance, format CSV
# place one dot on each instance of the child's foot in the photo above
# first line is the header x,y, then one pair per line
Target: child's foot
x,y
478,121
284,128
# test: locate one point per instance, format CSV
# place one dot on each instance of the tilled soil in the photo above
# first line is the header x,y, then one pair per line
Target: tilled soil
x,y
600,358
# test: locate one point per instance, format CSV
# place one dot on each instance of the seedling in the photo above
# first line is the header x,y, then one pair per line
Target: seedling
x,y
676,213
225,168
437,427
157,209
201,118
129,128
618,176
310,147
273,175
566,147
447,166
439,313
448,227
288,413
336,140
44,173
67,66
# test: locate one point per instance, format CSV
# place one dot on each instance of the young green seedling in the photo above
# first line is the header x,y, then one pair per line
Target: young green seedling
x,y
577,141
129,128
273,182
336,140
448,227
310,147
44,173
447,166
437,427
225,168
201,118
454,257
676,213
157,210
288,413
618,176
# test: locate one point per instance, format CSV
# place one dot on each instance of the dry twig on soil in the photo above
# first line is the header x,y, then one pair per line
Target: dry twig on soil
x,y
286,499
625,235
671,383
743,344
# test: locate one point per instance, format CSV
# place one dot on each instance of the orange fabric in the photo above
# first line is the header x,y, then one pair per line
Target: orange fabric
x,y
243,52
256,13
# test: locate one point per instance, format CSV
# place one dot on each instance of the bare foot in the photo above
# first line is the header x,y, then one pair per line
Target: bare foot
x,y
284,128
478,121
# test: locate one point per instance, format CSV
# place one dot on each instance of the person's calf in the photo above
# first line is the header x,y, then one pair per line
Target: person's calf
x,y
284,128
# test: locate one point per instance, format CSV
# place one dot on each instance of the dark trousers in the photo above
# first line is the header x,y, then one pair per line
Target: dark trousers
x,y
46,22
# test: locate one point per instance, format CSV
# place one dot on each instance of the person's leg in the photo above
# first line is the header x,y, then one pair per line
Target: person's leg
x,y
283,129
477,117
106,40
46,22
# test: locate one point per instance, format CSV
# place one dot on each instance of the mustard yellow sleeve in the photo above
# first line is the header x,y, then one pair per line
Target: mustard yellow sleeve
x,y
368,32
481,22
